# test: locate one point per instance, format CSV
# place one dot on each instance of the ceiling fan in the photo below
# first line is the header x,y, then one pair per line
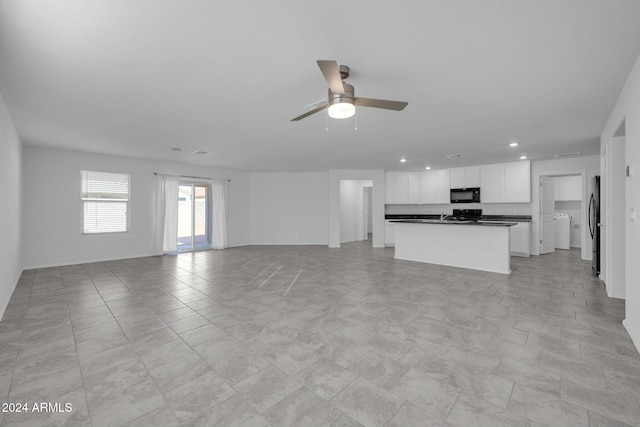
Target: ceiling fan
x,y
342,101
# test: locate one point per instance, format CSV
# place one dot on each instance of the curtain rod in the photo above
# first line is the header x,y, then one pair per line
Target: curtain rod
x,y
196,177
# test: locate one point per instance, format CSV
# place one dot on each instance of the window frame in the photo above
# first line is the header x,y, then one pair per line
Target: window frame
x,y
83,201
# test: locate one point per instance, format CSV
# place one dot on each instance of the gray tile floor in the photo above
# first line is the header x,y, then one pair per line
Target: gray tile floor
x,y
299,336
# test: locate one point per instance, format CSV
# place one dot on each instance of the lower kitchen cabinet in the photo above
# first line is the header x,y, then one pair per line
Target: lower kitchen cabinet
x,y
389,234
520,239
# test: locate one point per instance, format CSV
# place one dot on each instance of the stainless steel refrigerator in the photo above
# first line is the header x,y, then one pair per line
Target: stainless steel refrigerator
x,y
594,224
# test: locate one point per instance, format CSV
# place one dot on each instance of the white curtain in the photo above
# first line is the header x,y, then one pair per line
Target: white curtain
x,y
166,210
219,190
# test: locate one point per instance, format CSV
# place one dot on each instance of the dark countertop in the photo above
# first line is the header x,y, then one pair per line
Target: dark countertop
x,y
448,222
512,218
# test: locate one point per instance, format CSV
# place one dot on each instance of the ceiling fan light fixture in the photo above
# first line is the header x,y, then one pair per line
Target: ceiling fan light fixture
x,y
343,109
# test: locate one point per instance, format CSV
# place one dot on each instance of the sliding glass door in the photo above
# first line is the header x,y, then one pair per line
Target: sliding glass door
x,y
194,216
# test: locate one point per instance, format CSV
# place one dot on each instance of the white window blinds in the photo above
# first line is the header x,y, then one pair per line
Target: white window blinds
x,y
105,197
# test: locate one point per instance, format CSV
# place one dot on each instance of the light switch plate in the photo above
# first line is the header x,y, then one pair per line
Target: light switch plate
x,y
633,215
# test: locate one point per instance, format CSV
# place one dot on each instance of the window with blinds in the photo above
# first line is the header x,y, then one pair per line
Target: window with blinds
x,y
105,197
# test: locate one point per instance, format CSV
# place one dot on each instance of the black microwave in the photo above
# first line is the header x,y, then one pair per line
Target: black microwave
x,y
465,195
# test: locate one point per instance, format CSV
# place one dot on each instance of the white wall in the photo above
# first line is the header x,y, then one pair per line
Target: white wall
x,y
289,208
11,212
588,166
627,109
614,216
53,208
369,201
352,210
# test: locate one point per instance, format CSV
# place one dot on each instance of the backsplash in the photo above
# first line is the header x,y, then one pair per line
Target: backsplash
x,y
487,208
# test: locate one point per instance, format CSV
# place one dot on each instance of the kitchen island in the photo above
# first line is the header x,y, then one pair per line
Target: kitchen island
x,y
478,245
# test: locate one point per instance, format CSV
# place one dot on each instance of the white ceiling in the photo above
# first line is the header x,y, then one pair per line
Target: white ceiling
x,y
136,78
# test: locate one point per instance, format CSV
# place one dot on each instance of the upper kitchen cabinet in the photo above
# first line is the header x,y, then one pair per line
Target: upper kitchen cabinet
x,y
390,188
435,187
415,188
442,193
397,188
567,188
517,182
492,183
414,180
506,183
467,177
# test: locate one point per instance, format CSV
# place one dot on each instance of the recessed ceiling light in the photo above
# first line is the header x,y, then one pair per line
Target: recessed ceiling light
x,y
403,160
454,156
176,149
428,168
201,153
514,144
523,157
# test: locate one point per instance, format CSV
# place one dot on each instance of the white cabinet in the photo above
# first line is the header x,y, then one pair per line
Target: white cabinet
x,y
428,188
402,188
492,183
431,187
499,183
396,188
442,191
435,187
390,188
457,178
520,239
389,234
567,188
414,180
517,182
472,176
467,177
506,183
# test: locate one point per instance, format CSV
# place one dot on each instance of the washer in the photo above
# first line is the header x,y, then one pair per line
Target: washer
x,y
562,223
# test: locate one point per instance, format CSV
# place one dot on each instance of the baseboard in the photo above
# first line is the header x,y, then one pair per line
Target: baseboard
x,y
90,261
5,304
287,244
635,335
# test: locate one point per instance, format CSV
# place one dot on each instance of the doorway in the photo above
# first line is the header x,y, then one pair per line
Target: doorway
x,y
368,209
354,208
194,216
562,212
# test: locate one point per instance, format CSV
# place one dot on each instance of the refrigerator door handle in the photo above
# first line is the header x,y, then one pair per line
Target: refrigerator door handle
x,y
591,228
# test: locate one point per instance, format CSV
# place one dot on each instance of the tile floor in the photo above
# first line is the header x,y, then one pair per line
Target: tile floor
x,y
306,336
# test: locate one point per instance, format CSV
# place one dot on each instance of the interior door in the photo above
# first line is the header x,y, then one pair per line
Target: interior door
x,y
547,210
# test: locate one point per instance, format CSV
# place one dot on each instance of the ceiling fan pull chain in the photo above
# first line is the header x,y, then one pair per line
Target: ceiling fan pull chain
x,y
356,128
326,121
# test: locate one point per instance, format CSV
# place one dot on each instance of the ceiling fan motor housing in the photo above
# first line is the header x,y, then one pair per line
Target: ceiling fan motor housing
x,y
348,96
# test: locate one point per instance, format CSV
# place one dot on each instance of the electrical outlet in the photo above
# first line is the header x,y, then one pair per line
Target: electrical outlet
x,y
633,215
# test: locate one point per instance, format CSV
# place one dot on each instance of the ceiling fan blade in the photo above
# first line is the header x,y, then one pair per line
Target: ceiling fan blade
x,y
316,104
331,74
308,113
381,103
